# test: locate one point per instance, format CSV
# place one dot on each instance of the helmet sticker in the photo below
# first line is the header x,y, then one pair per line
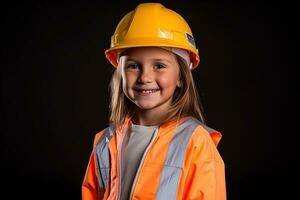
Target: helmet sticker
x,y
190,39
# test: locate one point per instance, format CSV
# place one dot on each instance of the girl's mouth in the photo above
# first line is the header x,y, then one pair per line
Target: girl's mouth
x,y
146,92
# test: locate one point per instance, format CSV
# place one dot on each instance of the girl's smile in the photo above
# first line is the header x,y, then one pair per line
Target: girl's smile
x,y
146,91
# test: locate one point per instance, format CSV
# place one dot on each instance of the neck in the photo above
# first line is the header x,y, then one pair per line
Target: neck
x,y
147,118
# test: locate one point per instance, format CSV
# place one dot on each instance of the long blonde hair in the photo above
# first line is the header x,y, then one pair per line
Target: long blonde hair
x,y
186,100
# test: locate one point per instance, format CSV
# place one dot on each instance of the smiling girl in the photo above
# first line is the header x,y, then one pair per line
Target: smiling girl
x,y
157,145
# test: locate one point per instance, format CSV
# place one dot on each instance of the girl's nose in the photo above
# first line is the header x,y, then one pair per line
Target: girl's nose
x,y
146,76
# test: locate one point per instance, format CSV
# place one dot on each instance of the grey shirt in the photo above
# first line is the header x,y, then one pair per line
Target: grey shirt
x,y
134,144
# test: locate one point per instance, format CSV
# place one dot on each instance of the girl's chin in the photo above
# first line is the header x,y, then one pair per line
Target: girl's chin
x,y
145,106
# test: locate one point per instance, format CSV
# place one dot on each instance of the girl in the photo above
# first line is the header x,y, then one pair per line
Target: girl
x,y
157,145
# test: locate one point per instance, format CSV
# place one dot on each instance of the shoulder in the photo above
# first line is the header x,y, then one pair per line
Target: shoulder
x,y
204,140
203,131
105,133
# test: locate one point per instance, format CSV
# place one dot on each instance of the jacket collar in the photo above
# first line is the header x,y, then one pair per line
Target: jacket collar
x,y
173,123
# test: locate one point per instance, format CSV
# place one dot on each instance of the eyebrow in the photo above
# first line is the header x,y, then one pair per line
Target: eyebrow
x,y
154,60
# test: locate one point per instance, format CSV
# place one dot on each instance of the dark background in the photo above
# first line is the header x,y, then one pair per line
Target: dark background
x,y
54,92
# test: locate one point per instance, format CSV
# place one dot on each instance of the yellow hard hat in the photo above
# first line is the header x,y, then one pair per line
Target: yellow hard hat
x,y
152,24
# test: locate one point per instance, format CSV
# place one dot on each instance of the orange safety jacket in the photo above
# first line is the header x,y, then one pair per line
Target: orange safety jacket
x,y
181,162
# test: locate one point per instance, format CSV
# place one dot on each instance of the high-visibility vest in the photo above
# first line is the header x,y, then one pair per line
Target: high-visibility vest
x,y
181,162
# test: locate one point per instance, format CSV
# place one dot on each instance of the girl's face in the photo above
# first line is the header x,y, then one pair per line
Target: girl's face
x,y
150,76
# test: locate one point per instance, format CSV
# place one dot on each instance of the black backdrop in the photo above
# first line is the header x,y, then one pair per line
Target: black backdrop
x,y
54,92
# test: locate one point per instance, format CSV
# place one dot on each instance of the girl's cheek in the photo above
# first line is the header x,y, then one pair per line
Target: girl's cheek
x,y
167,81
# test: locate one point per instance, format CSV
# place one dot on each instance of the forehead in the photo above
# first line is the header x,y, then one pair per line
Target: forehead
x,y
149,53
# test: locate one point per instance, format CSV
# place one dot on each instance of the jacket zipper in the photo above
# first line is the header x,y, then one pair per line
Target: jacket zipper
x,y
141,163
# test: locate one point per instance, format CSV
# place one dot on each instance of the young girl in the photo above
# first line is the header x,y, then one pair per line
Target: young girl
x,y
157,145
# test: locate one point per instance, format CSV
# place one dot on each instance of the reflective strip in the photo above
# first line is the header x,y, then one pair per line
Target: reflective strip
x,y
171,172
208,129
102,155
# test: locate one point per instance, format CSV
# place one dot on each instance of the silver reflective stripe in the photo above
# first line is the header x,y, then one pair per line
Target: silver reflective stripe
x,y
171,172
102,155
208,129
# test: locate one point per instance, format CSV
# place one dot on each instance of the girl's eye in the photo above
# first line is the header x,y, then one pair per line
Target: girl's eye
x,y
159,66
133,66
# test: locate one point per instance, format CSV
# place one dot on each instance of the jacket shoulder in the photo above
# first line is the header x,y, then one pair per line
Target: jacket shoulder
x,y
214,134
106,132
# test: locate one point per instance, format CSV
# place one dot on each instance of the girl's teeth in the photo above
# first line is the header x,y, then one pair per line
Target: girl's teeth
x,y
148,91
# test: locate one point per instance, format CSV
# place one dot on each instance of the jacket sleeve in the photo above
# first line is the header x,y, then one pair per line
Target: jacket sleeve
x,y
90,186
205,176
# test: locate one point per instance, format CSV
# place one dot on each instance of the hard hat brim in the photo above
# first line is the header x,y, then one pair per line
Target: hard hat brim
x,y
112,53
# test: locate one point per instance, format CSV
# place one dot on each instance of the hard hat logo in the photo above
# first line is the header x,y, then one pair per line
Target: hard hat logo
x,y
190,39
152,24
